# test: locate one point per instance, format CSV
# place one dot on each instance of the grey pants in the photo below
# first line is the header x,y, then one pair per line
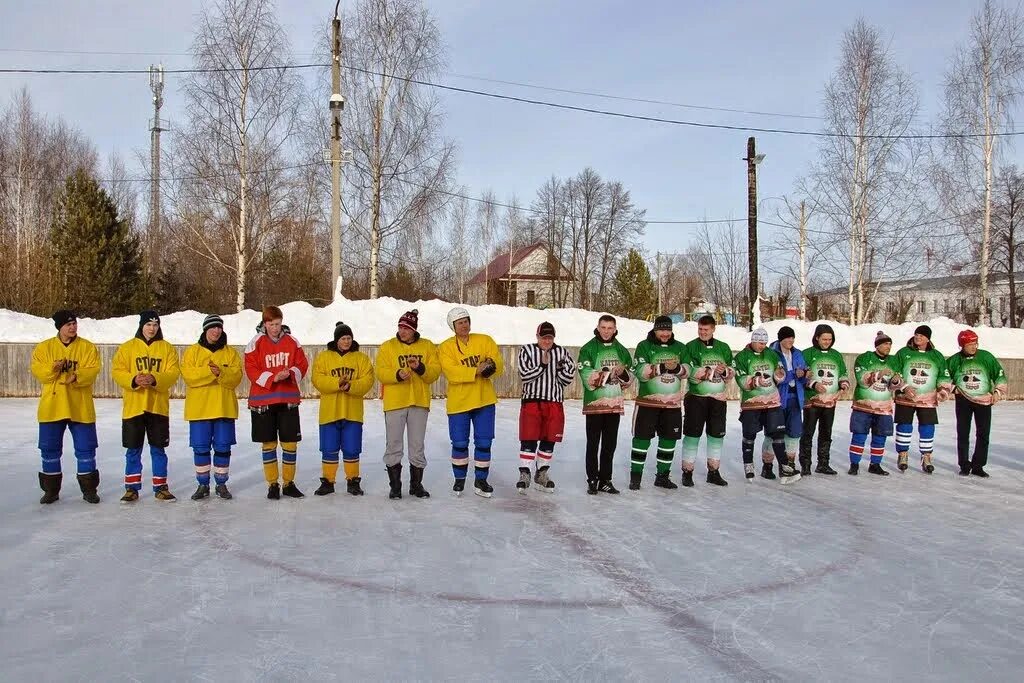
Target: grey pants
x,y
396,422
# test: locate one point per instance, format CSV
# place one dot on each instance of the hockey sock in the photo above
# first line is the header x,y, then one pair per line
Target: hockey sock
x,y
779,448
289,455
904,433
460,459
545,452
666,451
714,452
329,466
270,471
857,442
748,451
527,453
792,446
481,458
158,460
926,438
202,463
133,469
221,461
877,449
638,455
350,461
767,450
690,446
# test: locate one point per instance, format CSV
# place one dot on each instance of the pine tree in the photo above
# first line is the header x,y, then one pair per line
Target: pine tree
x,y
97,256
633,293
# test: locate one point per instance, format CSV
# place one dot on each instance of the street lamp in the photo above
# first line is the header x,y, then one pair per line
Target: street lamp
x,y
752,159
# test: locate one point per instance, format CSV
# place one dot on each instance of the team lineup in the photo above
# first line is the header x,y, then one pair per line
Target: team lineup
x,y
787,394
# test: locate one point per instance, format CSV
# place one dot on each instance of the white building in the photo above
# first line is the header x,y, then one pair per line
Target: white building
x,y
528,276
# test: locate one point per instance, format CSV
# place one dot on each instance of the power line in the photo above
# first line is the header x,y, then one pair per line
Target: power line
x,y
534,102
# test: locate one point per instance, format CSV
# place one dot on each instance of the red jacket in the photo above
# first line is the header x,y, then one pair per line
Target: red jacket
x,y
264,358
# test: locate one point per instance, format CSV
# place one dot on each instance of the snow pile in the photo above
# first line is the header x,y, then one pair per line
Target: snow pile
x,y
376,320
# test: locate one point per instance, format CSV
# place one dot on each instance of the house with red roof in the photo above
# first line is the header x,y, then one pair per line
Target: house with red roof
x,y
528,276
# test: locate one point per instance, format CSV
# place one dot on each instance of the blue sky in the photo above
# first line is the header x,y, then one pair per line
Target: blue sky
x,y
766,56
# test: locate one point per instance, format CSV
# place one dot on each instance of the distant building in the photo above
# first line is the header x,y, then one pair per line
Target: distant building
x,y
529,276
955,297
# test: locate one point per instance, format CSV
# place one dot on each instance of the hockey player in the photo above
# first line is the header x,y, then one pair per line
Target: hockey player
x,y
791,400
926,385
604,366
704,405
146,367
877,375
212,371
406,366
342,374
469,361
661,367
979,383
545,369
66,366
275,364
759,371
826,377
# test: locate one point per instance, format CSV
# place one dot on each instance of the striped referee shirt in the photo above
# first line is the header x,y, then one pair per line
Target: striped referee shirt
x,y
545,382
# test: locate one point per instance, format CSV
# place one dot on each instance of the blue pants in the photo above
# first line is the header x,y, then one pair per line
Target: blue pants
x,y
218,434
133,467
51,445
482,422
880,427
343,436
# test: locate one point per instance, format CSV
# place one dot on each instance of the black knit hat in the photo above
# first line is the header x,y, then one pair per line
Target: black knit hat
x,y
63,317
341,330
924,330
148,317
882,338
820,330
786,332
663,322
212,320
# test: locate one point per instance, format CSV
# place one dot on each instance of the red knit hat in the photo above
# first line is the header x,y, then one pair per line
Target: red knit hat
x,y
410,319
966,337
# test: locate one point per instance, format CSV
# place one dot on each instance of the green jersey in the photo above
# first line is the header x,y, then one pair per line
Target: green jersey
x,y
926,377
755,373
712,368
825,370
659,386
977,377
604,371
877,378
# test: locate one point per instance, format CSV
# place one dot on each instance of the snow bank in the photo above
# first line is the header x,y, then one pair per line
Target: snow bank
x,y
374,321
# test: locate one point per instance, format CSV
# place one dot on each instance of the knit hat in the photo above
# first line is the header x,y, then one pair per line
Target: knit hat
x,y
786,332
820,330
341,330
882,338
63,317
212,320
545,329
148,317
924,330
663,322
759,336
966,337
410,319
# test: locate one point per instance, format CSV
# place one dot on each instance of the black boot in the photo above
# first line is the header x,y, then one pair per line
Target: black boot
x,y
274,491
715,477
395,478
876,468
606,487
823,467
688,478
89,482
592,487
416,482
222,492
805,467
661,480
766,471
326,487
352,486
292,491
50,484
202,491
854,468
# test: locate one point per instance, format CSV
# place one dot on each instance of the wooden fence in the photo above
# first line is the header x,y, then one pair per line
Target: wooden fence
x,y
16,379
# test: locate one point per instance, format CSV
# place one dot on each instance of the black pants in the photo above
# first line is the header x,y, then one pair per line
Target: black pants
x,y
982,415
603,433
821,418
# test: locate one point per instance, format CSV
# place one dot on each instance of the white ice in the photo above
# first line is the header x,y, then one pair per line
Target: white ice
x,y
911,577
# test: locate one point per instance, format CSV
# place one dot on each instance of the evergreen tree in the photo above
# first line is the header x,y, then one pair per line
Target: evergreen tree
x,y
633,292
97,256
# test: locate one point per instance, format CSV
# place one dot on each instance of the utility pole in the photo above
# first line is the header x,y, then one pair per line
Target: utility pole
x,y
803,262
752,159
337,104
156,84
658,280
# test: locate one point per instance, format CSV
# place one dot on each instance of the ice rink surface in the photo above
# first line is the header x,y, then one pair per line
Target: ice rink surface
x,y
910,577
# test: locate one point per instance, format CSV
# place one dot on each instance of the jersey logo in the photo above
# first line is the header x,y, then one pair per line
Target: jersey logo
x,y
276,360
146,364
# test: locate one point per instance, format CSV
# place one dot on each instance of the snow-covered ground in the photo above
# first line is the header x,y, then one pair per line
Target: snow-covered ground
x,y
910,577
374,321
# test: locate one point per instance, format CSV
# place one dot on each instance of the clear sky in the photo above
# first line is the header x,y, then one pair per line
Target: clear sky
x,y
753,55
